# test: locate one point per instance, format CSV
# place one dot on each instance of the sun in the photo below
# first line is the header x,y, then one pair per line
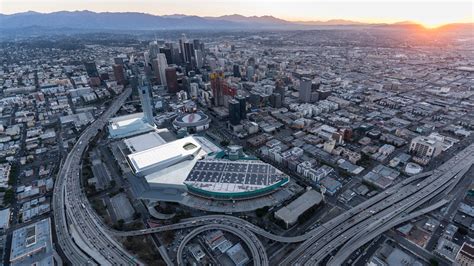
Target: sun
x,y
432,22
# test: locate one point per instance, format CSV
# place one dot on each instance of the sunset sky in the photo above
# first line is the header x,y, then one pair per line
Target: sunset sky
x,y
428,13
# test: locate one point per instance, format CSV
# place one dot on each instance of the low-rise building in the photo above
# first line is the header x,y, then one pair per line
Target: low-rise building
x,y
238,255
425,147
465,256
291,212
32,244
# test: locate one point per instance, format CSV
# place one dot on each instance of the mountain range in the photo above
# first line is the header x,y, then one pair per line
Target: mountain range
x,y
141,21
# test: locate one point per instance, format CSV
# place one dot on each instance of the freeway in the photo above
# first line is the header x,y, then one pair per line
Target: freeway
x,y
202,220
387,216
348,249
85,240
81,235
394,203
377,228
408,198
253,243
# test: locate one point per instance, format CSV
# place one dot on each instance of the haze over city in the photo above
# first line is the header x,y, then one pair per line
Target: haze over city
x,y
237,133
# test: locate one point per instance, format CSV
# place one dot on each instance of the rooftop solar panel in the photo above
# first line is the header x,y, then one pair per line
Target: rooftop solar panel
x,y
233,175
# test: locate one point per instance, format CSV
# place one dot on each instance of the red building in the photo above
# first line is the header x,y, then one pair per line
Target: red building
x,y
171,79
220,88
119,74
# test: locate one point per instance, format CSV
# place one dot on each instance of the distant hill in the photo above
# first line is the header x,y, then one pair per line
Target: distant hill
x,y
263,20
110,20
332,22
88,20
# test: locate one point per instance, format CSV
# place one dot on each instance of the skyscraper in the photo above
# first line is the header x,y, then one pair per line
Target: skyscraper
x,y
91,69
154,49
217,87
167,52
119,74
234,112
305,90
199,58
182,49
236,70
171,79
145,99
280,89
189,56
118,60
197,44
156,70
275,100
160,64
250,72
243,106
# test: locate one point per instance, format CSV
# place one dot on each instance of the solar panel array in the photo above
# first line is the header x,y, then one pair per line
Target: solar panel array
x,y
252,173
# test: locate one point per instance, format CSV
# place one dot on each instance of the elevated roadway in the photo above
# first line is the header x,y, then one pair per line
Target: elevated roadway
x,y
256,248
80,233
409,197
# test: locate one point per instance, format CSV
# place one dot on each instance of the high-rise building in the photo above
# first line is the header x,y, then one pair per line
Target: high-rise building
x,y
193,90
160,65
243,106
91,69
255,100
154,49
275,100
280,89
146,57
197,44
119,74
156,70
305,90
118,60
250,72
221,90
236,70
167,52
217,87
199,58
251,62
145,99
315,90
189,58
175,54
234,112
171,79
182,49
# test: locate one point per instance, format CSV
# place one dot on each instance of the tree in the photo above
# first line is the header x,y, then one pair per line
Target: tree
x,y
434,262
463,231
168,236
9,196
13,175
112,183
224,143
260,212
119,224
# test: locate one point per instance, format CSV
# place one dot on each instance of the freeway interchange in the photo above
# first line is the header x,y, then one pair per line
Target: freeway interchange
x,y
358,225
85,240
80,233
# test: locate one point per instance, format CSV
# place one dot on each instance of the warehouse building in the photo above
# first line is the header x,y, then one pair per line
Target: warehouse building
x,y
291,212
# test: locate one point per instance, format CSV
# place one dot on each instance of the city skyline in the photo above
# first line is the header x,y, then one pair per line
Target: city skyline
x,y
428,14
